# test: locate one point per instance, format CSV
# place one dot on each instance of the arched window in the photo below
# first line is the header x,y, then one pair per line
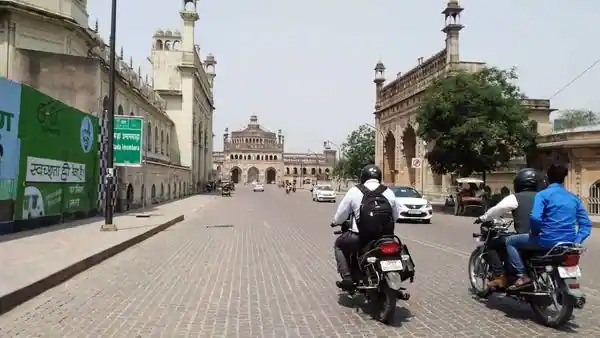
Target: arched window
x,y
275,157
149,137
304,171
313,171
162,142
320,171
167,146
156,141
287,171
231,157
295,171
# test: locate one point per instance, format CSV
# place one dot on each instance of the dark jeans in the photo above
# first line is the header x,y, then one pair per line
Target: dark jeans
x,y
496,248
346,244
523,242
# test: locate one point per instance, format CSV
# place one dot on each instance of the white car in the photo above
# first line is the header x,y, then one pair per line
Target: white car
x,y
412,204
323,193
258,187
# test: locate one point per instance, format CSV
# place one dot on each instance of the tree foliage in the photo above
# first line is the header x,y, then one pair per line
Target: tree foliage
x,y
474,122
573,118
357,151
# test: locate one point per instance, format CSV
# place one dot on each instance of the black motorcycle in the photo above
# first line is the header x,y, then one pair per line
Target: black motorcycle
x,y
378,271
555,274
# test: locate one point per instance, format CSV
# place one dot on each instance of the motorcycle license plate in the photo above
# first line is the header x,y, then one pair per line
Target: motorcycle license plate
x,y
477,239
569,271
395,265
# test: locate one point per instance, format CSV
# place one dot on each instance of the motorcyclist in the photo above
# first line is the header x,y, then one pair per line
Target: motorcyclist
x,y
350,206
557,216
526,184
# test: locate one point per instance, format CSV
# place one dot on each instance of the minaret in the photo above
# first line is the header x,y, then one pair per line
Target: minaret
x,y
452,29
189,15
209,65
379,80
189,136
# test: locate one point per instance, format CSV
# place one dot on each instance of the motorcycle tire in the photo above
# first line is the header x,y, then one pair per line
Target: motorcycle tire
x,y
477,261
566,311
383,303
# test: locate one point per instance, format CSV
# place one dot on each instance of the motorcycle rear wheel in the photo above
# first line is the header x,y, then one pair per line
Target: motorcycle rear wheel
x,y
479,272
383,302
567,305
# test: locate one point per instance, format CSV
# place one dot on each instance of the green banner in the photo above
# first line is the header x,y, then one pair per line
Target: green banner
x,y
127,142
58,170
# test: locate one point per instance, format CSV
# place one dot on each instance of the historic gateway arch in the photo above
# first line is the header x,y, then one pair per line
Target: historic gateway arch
x,y
256,154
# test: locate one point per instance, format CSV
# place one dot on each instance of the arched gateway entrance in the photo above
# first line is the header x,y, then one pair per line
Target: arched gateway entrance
x,y
409,142
389,169
270,175
252,175
236,175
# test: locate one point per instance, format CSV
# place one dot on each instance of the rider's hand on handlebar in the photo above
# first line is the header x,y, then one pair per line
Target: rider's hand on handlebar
x,y
478,220
333,225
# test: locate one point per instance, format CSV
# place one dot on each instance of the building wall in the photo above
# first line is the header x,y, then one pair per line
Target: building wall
x,y
395,107
59,66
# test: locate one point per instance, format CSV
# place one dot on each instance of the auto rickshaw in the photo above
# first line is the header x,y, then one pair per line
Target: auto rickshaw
x,y
468,195
226,188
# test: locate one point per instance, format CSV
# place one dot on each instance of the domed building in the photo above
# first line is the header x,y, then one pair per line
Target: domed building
x,y
255,154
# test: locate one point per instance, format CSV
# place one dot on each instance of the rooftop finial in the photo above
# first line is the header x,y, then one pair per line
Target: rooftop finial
x,y
96,26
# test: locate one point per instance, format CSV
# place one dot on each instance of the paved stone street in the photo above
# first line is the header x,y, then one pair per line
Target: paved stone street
x,y
261,265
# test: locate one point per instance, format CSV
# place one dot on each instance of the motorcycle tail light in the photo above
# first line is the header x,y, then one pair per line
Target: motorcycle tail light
x,y
571,260
389,248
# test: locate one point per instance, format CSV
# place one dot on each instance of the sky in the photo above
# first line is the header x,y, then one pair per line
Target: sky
x,y
306,66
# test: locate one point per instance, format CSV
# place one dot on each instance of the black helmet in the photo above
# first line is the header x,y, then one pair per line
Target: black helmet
x,y
369,172
527,179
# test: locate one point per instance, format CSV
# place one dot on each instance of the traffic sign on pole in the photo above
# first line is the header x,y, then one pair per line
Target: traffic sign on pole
x,y
128,141
416,163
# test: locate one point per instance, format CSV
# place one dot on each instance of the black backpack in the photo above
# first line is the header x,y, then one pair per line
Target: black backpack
x,y
376,216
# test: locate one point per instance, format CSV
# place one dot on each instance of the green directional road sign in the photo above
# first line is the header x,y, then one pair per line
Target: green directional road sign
x,y
128,144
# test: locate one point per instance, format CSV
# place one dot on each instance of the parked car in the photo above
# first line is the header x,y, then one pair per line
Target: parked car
x,y
258,187
412,204
323,193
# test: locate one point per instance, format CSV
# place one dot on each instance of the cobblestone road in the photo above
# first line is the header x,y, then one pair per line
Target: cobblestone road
x,y
271,274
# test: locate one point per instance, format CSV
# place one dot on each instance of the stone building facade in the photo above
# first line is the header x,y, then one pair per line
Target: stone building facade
x,y
50,47
398,150
579,150
256,154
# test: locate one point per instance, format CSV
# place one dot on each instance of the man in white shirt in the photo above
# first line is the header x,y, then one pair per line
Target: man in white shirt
x,y
350,206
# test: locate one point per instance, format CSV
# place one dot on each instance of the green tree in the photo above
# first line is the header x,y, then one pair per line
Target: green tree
x,y
573,118
357,151
475,122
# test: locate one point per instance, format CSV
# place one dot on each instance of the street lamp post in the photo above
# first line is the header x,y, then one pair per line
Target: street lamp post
x,y
383,147
110,187
327,143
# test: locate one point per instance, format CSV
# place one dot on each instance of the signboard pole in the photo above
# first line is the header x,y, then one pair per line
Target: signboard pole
x,y
110,187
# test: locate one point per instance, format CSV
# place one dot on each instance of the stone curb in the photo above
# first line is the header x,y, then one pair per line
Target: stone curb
x,y
20,296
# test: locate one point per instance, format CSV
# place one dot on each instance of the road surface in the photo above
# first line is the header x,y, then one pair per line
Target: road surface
x,y
261,265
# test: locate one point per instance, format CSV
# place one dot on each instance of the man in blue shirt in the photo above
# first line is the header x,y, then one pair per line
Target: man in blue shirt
x,y
557,216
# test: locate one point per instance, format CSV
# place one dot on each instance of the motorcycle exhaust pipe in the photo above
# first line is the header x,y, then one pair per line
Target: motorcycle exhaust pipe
x,y
403,295
579,302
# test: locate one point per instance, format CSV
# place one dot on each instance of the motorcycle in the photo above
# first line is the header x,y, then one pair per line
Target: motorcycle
x,y
293,189
378,271
287,190
555,274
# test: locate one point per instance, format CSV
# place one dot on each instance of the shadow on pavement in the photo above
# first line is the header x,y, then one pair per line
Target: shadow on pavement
x,y
516,310
359,303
